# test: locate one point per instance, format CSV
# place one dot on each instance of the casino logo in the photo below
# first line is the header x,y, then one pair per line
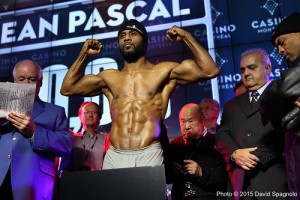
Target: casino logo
x,y
270,6
276,56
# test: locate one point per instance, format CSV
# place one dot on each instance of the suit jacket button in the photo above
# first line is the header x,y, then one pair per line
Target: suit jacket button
x,y
8,156
267,158
249,134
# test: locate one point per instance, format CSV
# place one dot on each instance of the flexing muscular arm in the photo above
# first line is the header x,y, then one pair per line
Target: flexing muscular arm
x,y
190,71
75,83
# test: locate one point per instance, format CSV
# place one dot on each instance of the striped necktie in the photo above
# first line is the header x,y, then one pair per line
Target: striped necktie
x,y
254,100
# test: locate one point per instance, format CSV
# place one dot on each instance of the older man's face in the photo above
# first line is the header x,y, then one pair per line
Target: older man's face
x,y
28,73
254,72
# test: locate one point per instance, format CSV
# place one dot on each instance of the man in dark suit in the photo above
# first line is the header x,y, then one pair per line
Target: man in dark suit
x,y
29,145
250,145
198,169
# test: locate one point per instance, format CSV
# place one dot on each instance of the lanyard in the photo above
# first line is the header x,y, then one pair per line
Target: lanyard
x,y
85,150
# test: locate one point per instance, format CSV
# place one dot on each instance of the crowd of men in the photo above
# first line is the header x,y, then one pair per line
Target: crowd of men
x,y
254,149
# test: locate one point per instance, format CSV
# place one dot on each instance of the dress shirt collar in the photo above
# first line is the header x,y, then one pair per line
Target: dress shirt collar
x,y
96,131
260,90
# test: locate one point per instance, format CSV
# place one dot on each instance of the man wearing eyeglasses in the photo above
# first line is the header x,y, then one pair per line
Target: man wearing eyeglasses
x,y
210,109
90,144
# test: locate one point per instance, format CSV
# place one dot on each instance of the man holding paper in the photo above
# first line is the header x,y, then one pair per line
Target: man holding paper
x,y
29,145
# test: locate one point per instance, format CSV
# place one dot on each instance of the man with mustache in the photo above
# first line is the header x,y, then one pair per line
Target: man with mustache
x,y
138,94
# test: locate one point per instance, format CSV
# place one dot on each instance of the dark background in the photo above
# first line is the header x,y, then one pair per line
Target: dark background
x,y
225,27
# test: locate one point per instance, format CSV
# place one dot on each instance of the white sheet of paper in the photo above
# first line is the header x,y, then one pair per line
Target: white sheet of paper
x,y
16,97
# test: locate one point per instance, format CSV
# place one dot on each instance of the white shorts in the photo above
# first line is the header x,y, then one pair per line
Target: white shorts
x,y
148,156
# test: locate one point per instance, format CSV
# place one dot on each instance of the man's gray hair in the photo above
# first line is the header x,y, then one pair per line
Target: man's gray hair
x,y
40,70
214,103
263,54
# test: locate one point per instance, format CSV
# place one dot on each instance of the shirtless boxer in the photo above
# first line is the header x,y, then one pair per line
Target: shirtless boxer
x,y
138,94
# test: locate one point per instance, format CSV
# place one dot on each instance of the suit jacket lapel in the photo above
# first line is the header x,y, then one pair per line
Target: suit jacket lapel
x,y
38,108
263,103
244,103
269,87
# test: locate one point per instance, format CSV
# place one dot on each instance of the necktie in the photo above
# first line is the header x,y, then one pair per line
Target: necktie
x,y
254,100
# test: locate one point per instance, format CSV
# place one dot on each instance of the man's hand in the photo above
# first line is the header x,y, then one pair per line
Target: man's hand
x,y
245,159
92,47
175,34
22,122
192,168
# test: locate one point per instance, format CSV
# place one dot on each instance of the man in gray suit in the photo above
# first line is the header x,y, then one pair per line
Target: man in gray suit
x,y
250,145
